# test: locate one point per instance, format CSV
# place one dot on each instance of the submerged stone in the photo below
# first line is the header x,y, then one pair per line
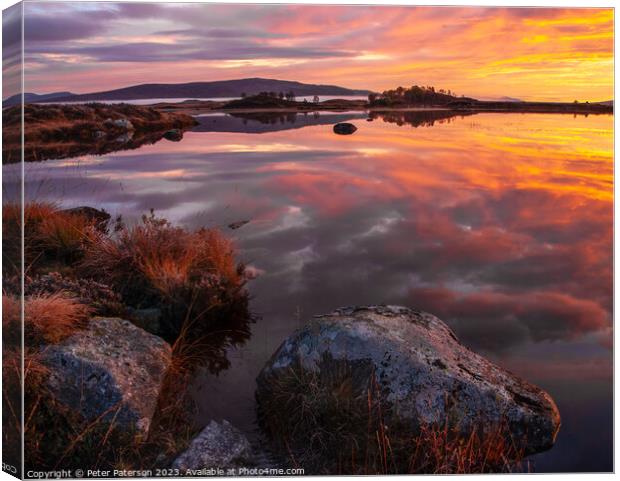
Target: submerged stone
x,y
174,135
344,128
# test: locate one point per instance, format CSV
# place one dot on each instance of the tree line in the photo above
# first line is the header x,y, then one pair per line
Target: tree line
x,y
290,95
421,95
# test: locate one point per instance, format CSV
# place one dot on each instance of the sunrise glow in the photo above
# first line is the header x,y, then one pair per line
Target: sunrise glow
x,y
548,54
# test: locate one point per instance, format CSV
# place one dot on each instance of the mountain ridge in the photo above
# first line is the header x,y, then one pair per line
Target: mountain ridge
x,y
31,97
213,89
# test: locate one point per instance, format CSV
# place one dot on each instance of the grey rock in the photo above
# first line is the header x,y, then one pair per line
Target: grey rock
x,y
124,138
219,445
425,374
344,128
111,370
123,124
99,216
99,134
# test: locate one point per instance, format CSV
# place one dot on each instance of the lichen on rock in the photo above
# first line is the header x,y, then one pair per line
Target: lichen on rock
x,y
219,445
111,371
415,364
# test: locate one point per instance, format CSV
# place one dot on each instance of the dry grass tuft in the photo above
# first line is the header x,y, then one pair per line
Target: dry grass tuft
x,y
444,450
161,255
322,423
48,318
189,274
50,235
62,235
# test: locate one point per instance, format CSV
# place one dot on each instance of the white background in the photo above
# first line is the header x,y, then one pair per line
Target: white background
x,y
547,3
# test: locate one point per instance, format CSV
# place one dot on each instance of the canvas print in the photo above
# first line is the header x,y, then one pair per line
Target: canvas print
x,y
296,239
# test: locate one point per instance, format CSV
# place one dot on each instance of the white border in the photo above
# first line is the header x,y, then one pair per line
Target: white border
x,y
547,3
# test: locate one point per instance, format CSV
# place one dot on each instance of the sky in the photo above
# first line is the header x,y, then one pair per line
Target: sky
x,y
550,54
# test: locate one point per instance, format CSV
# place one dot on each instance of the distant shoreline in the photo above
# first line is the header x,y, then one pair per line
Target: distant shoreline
x,y
200,107
61,131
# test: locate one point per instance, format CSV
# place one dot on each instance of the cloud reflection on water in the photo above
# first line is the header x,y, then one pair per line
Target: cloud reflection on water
x,y
497,223
500,224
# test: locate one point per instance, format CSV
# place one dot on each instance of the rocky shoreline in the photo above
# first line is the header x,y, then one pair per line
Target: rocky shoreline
x,y
405,364
55,131
59,131
116,327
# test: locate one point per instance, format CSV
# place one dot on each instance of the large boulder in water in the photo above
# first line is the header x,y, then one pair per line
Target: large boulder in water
x,y
112,371
423,374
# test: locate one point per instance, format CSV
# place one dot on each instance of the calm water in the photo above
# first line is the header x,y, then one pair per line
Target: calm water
x,y
500,224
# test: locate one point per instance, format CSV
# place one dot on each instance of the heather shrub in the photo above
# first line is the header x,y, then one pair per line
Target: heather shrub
x,y
191,275
100,298
62,235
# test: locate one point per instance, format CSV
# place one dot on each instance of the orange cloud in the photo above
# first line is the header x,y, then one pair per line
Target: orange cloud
x,y
531,53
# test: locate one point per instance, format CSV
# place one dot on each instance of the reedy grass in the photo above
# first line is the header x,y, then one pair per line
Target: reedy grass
x,y
50,236
322,422
48,318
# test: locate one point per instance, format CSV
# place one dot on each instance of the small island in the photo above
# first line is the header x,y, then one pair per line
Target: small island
x,y
401,98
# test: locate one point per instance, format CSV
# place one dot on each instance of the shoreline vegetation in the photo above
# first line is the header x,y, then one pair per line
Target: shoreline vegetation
x,y
258,104
83,272
58,131
90,284
399,99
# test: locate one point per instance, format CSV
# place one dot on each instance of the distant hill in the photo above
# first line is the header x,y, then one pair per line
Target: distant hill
x,y
609,103
30,97
218,89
